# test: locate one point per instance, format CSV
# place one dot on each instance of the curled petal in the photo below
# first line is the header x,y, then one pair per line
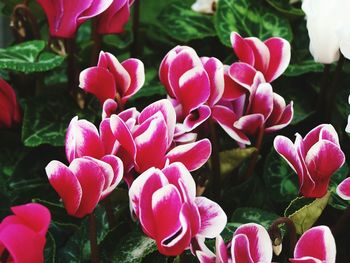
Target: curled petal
x,y
196,117
243,74
261,53
213,218
232,90
240,250
242,49
112,20
215,71
343,189
118,171
192,155
250,124
136,71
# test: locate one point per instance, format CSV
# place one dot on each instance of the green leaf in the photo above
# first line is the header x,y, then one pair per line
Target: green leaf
x,y
304,212
303,67
285,7
119,41
131,248
249,19
180,22
28,57
245,215
281,181
46,123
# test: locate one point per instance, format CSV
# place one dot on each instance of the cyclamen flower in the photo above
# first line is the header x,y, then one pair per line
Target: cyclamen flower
x,y
270,57
327,24
113,80
9,108
65,16
183,74
85,182
23,234
265,109
164,201
250,243
315,245
112,20
315,158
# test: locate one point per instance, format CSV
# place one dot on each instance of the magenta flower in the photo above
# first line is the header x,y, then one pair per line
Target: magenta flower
x,y
113,80
65,16
85,182
23,234
9,108
316,245
315,158
270,57
112,20
343,189
265,109
164,201
250,243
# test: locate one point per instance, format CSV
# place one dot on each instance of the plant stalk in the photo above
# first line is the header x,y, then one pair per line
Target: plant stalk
x,y
93,239
215,160
97,43
135,46
112,221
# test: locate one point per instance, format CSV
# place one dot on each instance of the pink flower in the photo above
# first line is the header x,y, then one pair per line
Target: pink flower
x,y
23,234
9,108
343,189
136,135
315,158
270,57
66,16
164,201
85,182
264,109
316,245
112,20
250,243
113,80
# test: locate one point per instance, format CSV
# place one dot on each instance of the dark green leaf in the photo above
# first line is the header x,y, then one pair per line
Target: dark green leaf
x,y
303,67
183,24
28,57
253,215
249,19
285,7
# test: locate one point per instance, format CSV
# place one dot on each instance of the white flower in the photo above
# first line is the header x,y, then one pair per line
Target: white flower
x,y
347,129
205,6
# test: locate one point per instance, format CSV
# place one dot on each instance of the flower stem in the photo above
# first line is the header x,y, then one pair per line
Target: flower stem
x,y
112,222
324,89
275,232
93,239
255,155
97,43
135,46
215,160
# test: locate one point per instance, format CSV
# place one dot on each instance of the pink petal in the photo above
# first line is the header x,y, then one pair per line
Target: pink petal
x,y
323,131
150,133
184,61
98,81
82,139
204,258
23,244
97,7
260,246
250,124
141,196
323,160
194,81
182,241
305,260
136,71
35,216
10,110
166,108
65,184
240,250
232,90
226,119
243,74
109,107
279,105
279,57
343,189
166,207
213,218
242,49
113,20
317,242
108,140
192,155
164,70
91,179
196,118
261,53
287,150
177,172
262,101
118,171
221,249
215,71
